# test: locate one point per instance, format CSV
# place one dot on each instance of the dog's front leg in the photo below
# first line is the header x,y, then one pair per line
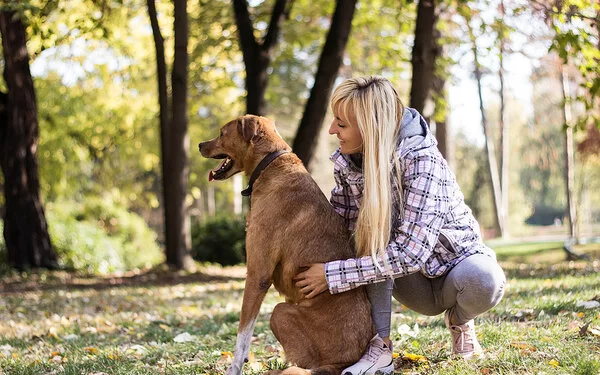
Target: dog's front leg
x,y
254,294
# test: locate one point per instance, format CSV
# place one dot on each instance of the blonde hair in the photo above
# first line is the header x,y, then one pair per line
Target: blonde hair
x,y
374,105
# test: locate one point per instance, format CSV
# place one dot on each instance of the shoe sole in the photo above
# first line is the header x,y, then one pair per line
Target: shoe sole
x,y
387,370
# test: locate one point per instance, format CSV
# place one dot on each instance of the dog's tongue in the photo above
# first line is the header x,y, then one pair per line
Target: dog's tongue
x,y
211,174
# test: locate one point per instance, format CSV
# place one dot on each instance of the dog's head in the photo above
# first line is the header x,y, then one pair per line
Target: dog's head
x,y
242,143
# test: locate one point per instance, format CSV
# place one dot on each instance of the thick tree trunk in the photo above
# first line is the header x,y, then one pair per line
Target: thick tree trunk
x,y
25,228
178,229
442,131
424,53
164,111
257,56
329,64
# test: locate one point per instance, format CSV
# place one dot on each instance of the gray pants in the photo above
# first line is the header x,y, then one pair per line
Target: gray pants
x,y
471,288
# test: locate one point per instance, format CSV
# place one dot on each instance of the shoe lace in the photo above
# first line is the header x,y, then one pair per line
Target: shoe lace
x,y
373,353
462,338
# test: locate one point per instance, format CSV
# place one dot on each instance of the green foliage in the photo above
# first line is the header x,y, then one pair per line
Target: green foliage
x,y
576,28
220,240
101,237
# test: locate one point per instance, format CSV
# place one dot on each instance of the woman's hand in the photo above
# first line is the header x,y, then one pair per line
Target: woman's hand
x,y
312,282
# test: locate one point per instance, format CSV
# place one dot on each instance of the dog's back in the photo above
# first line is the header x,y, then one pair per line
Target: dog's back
x,y
300,222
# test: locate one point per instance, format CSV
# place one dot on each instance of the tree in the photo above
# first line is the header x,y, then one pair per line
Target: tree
x,y
503,125
329,64
25,228
489,142
425,50
174,140
258,55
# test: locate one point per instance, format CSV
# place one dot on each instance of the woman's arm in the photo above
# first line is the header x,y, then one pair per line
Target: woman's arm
x,y
425,208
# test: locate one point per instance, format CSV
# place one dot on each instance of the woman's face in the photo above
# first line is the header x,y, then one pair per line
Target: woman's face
x,y
347,133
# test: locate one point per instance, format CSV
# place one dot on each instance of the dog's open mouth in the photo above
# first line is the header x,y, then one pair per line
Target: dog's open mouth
x,y
221,171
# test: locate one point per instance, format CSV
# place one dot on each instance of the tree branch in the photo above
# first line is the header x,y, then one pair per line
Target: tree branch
x,y
278,14
245,29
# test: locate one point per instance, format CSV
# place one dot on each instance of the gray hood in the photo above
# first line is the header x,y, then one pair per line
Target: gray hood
x,y
412,124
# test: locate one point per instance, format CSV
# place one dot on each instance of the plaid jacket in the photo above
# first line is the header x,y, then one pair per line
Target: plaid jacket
x,y
438,229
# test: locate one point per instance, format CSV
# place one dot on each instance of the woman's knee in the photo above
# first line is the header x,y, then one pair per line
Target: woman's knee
x,y
480,282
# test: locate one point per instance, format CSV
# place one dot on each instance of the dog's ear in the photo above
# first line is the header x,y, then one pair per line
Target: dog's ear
x,y
248,127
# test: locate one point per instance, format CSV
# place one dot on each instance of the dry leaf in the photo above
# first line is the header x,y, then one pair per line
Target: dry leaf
x,y
414,357
184,337
588,304
524,348
91,350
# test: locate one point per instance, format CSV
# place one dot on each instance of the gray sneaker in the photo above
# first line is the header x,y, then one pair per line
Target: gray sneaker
x,y
376,360
464,339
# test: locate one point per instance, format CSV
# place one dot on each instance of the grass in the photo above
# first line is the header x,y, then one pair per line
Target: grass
x,y
57,323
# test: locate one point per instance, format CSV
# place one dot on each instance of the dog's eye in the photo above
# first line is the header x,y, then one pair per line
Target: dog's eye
x,y
341,125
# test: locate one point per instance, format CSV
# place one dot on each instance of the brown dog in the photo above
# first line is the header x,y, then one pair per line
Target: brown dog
x,y
290,225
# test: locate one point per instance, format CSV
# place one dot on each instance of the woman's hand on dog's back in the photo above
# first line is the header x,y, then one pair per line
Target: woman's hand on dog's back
x,y
312,282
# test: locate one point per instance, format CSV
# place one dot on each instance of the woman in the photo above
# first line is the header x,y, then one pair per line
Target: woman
x,y
416,239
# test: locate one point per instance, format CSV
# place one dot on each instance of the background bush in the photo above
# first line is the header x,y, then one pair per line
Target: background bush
x,y
99,236
221,239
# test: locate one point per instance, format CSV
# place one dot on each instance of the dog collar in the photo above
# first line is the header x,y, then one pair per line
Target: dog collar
x,y
261,166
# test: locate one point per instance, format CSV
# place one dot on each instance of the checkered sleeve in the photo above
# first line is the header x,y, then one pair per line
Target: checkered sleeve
x,y
342,200
425,205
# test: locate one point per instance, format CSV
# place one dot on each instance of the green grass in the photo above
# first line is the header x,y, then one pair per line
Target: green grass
x,y
60,324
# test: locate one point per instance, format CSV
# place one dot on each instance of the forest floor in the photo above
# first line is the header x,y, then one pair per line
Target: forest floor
x,y
163,322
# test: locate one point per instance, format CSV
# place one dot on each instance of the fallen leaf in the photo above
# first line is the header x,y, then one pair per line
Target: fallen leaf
x,y
554,363
6,349
588,304
524,348
594,331
414,357
184,337
91,350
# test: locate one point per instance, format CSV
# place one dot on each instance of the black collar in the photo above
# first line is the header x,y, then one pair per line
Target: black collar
x,y
261,166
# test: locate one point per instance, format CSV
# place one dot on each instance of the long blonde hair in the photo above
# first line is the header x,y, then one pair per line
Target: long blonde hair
x,y
377,110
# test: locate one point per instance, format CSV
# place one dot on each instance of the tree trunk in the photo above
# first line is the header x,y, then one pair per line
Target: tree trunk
x,y
424,52
329,64
489,143
164,111
442,133
178,229
257,56
174,142
569,170
504,137
25,227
